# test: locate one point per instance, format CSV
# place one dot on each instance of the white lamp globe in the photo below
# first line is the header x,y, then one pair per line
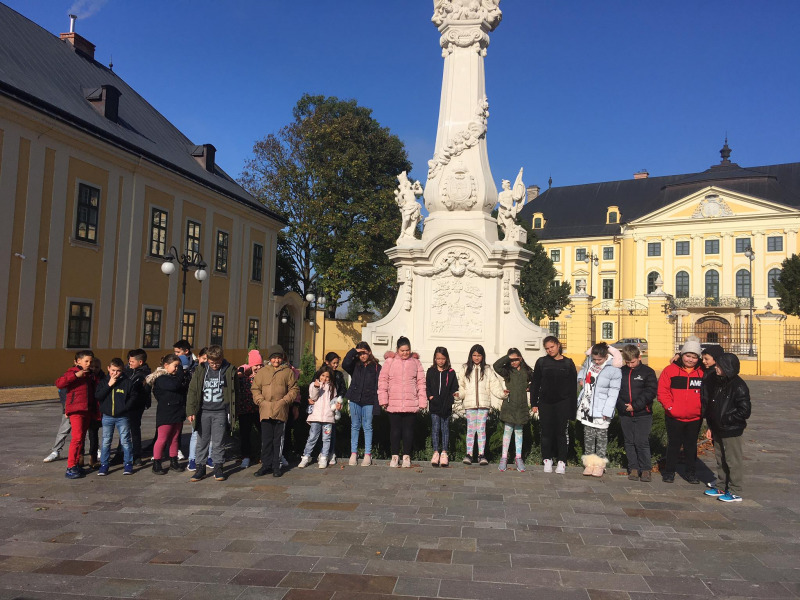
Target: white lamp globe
x,y
321,301
309,297
201,274
167,268
311,323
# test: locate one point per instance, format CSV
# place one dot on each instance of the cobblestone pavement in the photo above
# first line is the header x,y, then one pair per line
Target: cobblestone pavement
x,y
369,533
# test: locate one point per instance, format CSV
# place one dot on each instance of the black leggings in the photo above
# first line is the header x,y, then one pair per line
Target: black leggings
x,y
248,422
681,433
553,422
402,425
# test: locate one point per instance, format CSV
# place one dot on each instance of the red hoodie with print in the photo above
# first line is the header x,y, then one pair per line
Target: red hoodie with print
x,y
679,392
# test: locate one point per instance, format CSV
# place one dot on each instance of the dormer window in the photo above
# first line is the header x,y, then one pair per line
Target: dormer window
x,y
538,220
612,215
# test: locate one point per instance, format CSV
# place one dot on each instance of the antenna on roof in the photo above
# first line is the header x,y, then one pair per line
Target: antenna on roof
x,y
111,63
550,182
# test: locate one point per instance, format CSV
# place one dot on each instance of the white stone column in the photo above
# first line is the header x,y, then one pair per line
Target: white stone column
x,y
460,184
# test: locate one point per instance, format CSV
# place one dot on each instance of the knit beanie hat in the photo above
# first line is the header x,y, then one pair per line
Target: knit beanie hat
x,y
254,358
692,345
276,349
714,351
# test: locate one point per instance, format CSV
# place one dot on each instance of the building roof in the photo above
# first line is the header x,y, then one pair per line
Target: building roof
x,y
42,71
579,211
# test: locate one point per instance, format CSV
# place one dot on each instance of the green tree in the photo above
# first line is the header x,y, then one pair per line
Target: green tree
x,y
787,285
332,172
539,294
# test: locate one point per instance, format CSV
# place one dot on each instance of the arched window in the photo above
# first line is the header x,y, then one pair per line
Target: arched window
x,y
651,281
712,285
682,284
771,277
742,283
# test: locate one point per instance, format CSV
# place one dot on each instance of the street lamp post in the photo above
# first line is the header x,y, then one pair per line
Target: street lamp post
x,y
186,262
317,302
751,255
592,260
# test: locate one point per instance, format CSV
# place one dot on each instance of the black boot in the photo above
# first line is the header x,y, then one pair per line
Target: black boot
x,y
157,468
174,465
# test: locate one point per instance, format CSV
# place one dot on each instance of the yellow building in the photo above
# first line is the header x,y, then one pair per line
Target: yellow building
x,y
702,234
96,186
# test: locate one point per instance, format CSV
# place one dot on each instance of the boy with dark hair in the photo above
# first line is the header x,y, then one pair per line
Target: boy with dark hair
x,y
183,349
726,413
80,406
212,396
116,394
634,406
137,372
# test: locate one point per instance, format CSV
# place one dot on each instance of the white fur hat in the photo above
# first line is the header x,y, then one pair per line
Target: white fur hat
x,y
692,345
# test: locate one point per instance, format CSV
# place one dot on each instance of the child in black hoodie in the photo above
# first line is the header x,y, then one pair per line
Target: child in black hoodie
x,y
117,394
441,383
726,413
635,409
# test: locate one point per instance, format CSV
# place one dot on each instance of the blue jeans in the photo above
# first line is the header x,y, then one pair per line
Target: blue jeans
x,y
193,445
313,435
360,417
440,425
122,424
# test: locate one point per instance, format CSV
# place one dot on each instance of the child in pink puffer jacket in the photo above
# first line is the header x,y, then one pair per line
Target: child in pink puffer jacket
x,y
401,391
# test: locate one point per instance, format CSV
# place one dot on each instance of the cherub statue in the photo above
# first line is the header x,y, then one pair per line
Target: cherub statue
x,y
406,196
508,210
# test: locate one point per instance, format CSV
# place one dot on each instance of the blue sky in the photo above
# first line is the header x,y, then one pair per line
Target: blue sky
x,y
581,90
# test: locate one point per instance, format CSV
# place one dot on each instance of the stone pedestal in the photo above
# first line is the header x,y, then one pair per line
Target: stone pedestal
x,y
770,340
458,284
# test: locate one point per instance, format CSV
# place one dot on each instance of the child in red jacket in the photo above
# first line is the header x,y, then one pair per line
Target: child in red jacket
x,y
80,406
679,393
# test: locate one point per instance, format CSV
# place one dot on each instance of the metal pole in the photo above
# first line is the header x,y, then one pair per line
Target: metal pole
x,y
752,301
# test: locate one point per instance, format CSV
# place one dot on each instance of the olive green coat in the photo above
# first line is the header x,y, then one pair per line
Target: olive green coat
x,y
516,407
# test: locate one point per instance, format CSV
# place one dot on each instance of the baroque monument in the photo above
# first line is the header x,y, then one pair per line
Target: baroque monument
x,y
458,284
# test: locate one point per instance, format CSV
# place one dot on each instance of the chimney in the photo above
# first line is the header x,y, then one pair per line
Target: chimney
x,y
204,154
105,100
533,192
79,43
643,174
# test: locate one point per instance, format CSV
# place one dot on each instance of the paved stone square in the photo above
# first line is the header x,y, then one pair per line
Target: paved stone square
x,y
370,533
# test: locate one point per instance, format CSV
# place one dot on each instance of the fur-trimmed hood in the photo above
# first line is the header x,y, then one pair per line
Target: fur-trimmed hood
x,y
390,354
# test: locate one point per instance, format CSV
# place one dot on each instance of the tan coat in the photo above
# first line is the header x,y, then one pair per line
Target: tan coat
x,y
274,390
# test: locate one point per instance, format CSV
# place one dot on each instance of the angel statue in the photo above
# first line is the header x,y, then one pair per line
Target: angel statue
x,y
406,196
507,213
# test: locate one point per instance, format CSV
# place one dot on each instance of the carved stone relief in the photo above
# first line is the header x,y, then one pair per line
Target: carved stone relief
x,y
710,207
462,140
459,191
409,289
466,10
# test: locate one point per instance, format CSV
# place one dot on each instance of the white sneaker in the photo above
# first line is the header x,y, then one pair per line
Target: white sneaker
x,y
367,460
304,462
406,462
323,461
52,456
245,463
180,455
395,462
561,468
548,465
284,462
353,459
332,459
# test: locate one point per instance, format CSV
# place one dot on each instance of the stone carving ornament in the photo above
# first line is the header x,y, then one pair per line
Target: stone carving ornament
x,y
467,138
458,261
466,10
406,196
710,207
511,202
459,191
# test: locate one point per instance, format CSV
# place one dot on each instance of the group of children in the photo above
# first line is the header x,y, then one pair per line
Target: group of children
x,y
263,395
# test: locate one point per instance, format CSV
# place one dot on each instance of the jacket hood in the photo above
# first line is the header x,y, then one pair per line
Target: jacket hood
x,y
390,354
728,364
